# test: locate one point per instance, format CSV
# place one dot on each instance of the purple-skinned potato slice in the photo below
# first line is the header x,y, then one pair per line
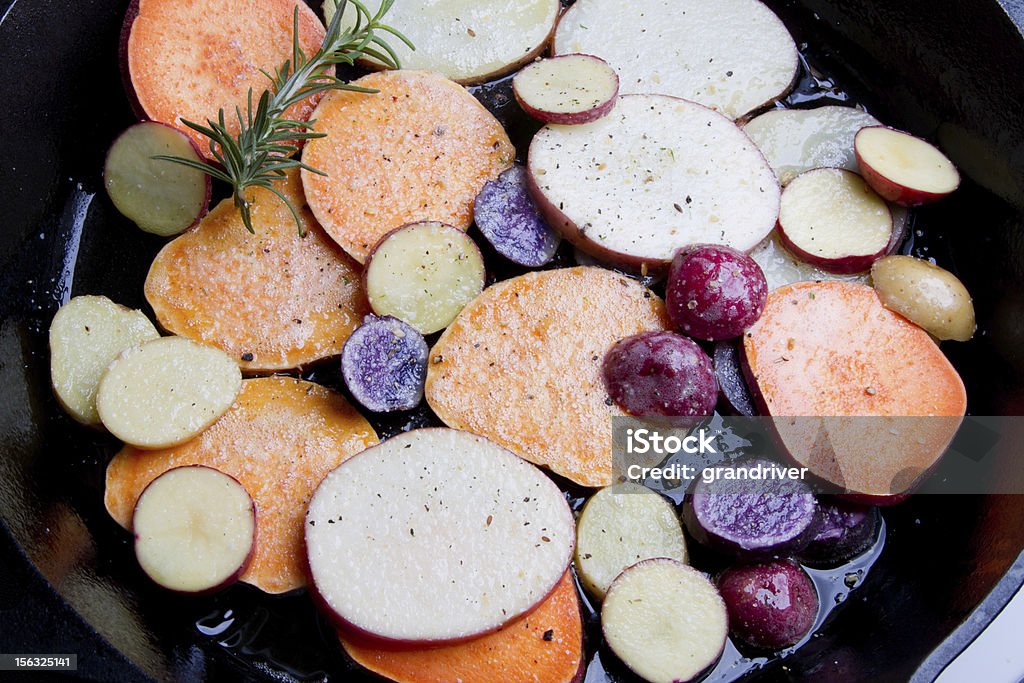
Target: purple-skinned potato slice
x,y
508,217
384,364
752,518
844,530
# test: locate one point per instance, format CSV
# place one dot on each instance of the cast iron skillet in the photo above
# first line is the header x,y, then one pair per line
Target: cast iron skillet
x,y
948,70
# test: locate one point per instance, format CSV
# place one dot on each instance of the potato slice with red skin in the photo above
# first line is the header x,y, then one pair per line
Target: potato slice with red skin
x,y
279,440
419,150
567,89
831,350
902,168
194,529
829,217
188,60
272,300
545,645
521,365
664,620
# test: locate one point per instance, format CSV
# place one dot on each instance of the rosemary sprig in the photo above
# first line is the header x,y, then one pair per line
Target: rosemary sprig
x,y
262,151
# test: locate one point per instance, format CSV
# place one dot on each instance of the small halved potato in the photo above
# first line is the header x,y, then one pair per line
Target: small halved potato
x,y
925,294
166,391
619,526
88,333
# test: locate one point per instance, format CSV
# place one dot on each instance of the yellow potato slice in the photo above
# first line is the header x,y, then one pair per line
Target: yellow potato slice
x,y
88,333
620,526
166,391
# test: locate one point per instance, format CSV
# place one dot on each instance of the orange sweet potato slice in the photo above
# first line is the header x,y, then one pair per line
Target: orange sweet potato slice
x,y
272,300
419,150
545,645
831,350
279,439
521,365
188,60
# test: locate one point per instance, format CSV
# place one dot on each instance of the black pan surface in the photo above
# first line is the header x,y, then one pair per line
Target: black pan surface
x,y
948,70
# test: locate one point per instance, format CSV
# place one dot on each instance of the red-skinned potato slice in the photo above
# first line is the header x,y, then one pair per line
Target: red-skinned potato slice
x,y
521,365
832,350
435,536
781,267
272,300
902,168
188,60
419,150
568,89
664,620
279,440
656,174
194,529
829,217
545,645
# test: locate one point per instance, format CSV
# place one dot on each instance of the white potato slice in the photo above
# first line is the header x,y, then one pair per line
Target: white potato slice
x,y
656,174
568,89
731,55
436,535
195,529
797,140
468,41
831,218
424,274
665,621
621,525
783,268
87,333
166,391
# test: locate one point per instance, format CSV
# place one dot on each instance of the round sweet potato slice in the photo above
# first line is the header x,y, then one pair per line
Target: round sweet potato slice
x,y
188,60
272,300
521,365
859,395
418,150
279,440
